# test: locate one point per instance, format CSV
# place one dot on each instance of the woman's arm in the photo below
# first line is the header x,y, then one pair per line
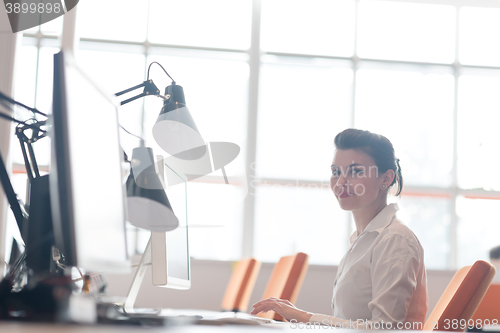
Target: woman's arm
x,y
397,268
292,314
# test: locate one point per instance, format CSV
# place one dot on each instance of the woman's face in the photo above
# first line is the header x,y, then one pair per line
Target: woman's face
x,y
356,181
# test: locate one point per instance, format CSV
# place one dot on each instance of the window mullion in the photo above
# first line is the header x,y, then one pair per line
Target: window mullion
x,y
253,102
453,260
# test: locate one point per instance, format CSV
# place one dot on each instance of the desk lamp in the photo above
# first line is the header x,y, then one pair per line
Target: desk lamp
x,y
34,220
175,132
148,205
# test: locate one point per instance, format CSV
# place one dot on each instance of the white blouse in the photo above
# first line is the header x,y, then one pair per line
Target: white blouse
x,y
381,279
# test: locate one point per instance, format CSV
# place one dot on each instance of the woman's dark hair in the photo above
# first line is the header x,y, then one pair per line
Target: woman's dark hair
x,y
495,253
377,146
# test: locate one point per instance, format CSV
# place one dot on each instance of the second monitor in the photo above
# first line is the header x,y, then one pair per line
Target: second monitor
x,y
166,252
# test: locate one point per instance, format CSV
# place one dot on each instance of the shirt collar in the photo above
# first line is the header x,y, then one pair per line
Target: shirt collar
x,y
380,221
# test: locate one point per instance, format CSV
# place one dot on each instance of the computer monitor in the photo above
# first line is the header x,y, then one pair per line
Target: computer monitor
x,y
86,190
166,252
170,260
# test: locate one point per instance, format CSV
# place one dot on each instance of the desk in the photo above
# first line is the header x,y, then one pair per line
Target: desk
x,y
19,327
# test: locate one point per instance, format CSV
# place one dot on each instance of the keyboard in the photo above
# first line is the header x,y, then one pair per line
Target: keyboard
x,y
114,314
216,317
238,318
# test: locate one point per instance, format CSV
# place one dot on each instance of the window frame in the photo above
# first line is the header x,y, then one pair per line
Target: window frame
x,y
254,54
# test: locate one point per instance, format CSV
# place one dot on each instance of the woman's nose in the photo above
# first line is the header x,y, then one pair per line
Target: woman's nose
x,y
341,181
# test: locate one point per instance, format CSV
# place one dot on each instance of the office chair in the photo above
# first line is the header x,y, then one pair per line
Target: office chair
x,y
489,308
461,298
241,285
285,281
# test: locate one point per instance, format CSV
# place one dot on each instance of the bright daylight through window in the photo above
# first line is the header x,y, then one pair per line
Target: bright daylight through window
x,y
288,89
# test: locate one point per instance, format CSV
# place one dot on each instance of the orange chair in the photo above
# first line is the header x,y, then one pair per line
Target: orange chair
x,y
241,285
461,298
285,281
489,308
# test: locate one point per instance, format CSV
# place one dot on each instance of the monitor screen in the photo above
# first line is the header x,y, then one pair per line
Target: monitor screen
x,y
86,188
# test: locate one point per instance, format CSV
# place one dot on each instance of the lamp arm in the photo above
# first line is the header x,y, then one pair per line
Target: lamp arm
x,y
35,127
10,100
16,205
150,89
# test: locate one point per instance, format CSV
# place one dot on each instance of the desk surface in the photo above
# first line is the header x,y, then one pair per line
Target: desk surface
x,y
18,327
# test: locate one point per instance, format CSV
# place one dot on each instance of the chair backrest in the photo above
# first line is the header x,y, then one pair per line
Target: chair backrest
x,y
489,308
285,281
240,286
461,298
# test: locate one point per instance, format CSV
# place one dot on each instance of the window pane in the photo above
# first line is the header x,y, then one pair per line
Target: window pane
x,y
46,76
478,229
25,88
414,110
479,36
25,82
113,19
406,31
302,219
215,213
429,218
478,135
117,69
320,27
216,95
302,106
217,23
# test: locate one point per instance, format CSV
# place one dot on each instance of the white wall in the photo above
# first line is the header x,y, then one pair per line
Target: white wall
x,y
209,280
9,42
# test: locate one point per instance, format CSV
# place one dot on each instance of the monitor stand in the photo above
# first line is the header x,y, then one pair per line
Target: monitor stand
x,y
128,306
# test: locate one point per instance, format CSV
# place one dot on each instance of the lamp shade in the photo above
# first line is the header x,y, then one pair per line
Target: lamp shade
x,y
148,205
175,130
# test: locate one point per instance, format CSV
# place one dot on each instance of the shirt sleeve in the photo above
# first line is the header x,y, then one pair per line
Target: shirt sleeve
x,y
395,263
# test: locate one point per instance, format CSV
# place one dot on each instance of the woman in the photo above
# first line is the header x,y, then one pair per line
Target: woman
x,y
381,281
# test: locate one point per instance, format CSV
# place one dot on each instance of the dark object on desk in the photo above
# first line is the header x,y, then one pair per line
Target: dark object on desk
x,y
40,233
15,252
37,301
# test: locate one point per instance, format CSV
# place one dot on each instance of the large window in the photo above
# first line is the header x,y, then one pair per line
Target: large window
x,y
281,78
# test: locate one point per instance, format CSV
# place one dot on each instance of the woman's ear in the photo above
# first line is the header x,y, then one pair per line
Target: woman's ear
x,y
388,178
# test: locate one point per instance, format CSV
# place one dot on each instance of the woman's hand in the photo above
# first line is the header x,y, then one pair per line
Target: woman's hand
x,y
286,309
